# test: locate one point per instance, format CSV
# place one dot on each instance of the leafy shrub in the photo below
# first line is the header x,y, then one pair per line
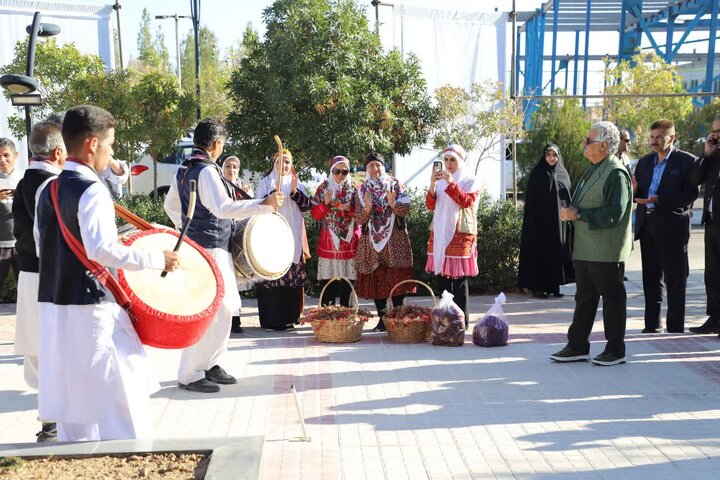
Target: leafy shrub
x,y
8,291
145,207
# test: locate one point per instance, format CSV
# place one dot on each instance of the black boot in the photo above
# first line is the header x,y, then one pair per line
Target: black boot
x,y
236,328
380,327
48,432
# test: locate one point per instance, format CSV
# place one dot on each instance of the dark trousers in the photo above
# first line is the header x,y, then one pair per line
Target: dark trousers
x,y
595,280
664,257
459,288
712,269
5,265
279,306
338,289
381,304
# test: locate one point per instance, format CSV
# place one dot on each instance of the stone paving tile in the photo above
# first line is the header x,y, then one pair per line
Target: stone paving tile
x,y
378,410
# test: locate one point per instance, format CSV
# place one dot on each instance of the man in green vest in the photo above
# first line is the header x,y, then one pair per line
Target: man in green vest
x,y
600,212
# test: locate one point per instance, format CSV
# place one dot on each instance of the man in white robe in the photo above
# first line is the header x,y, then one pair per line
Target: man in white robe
x,y
95,380
211,227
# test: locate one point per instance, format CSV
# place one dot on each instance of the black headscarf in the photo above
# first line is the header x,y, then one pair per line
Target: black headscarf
x,y
546,240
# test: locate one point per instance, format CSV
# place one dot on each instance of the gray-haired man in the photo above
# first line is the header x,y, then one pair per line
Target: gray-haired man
x,y
602,205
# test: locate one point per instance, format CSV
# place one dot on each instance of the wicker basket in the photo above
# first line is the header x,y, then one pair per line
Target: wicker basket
x,y
407,330
346,330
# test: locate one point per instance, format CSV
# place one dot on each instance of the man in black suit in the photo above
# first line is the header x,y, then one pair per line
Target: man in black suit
x,y
707,171
665,193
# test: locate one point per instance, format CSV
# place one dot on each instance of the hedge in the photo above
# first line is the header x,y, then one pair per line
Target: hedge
x,y
499,225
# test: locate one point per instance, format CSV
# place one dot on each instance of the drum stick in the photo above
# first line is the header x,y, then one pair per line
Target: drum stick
x,y
279,166
188,219
305,438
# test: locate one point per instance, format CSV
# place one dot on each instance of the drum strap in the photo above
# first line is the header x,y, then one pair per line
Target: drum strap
x,y
101,273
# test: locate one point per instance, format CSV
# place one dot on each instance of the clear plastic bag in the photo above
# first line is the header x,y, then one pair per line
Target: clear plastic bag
x,y
448,323
492,330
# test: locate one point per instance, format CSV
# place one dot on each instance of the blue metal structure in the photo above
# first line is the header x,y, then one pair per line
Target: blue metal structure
x,y
632,19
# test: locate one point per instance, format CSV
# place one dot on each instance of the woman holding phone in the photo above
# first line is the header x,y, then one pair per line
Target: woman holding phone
x,y
452,247
384,254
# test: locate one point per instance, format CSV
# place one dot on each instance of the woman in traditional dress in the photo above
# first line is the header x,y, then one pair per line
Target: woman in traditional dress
x,y
452,247
231,173
384,255
339,236
238,191
545,260
280,301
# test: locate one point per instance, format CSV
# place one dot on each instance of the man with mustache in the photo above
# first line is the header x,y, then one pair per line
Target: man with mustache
x,y
665,192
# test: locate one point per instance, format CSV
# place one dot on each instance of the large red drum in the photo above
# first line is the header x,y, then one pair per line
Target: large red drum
x,y
175,311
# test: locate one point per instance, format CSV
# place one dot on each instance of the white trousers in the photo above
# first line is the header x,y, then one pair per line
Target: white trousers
x,y
208,351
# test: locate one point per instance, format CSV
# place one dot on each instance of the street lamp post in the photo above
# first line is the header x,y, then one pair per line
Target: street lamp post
x,y
23,87
177,40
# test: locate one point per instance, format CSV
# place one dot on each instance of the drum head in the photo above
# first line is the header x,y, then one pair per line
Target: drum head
x,y
270,245
188,290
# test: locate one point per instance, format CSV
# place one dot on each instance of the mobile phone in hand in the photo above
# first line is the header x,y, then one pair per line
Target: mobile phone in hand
x,y
437,166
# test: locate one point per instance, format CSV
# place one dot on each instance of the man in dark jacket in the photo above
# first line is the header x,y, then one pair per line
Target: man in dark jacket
x,y
665,192
707,170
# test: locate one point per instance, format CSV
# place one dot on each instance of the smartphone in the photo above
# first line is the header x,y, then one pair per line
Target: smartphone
x,y
437,166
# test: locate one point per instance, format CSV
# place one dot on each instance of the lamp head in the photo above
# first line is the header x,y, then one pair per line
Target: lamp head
x,y
18,83
45,30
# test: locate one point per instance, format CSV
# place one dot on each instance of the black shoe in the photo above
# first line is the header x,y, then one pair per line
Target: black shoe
x,y
651,330
608,359
236,328
217,375
558,294
380,327
540,295
201,386
568,354
707,327
48,433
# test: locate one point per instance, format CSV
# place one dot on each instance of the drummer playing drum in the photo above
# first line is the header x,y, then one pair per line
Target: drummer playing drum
x,y
211,227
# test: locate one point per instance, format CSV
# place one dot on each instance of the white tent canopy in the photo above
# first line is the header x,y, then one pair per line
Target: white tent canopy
x,y
456,47
89,27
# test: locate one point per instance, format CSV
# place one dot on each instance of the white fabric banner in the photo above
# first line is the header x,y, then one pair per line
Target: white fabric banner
x,y
89,27
455,48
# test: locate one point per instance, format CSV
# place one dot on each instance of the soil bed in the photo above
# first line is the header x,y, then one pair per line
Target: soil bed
x,y
166,466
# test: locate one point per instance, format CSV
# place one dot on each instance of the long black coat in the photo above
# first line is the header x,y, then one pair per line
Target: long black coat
x,y
546,242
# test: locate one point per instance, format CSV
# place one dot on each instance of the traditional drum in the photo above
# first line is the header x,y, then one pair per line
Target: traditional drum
x,y
175,311
262,247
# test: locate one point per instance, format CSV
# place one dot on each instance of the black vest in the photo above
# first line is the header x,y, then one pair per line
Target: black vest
x,y
206,229
63,279
24,214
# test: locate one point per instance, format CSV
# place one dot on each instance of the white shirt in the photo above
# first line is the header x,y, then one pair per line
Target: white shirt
x,y
96,217
213,196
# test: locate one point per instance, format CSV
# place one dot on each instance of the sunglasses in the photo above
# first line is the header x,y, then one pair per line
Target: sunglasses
x,y
337,171
589,141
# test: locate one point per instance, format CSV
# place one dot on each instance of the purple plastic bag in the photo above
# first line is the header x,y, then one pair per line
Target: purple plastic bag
x,y
492,330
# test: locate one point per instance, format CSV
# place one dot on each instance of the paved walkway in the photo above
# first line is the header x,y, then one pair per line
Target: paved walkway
x,y
379,410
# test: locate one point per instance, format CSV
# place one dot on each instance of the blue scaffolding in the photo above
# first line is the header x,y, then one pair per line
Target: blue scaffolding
x,y
630,18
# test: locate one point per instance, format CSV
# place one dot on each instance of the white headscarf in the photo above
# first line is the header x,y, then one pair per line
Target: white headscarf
x,y
382,218
289,209
447,212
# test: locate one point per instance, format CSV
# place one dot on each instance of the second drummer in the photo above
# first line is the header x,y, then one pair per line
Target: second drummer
x,y
211,228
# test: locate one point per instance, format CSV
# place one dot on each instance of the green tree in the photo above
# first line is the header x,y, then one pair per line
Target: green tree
x,y
478,119
558,121
644,73
214,73
691,134
55,67
321,81
152,53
